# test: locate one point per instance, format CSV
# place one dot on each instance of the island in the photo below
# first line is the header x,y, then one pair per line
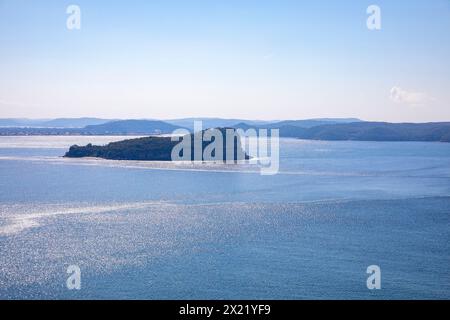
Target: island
x,y
159,148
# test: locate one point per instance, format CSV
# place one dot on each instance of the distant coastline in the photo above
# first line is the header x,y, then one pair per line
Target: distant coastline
x,y
310,129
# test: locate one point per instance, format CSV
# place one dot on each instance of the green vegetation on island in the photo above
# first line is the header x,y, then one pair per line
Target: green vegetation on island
x,y
157,148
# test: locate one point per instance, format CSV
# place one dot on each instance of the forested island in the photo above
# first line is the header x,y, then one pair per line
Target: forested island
x,y
157,148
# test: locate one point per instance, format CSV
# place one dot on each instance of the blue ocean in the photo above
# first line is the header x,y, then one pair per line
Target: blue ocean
x,y
142,230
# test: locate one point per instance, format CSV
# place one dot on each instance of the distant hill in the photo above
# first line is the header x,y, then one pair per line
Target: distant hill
x,y
287,131
52,123
73,122
317,129
131,127
309,123
121,127
297,128
361,130
214,122
377,131
148,149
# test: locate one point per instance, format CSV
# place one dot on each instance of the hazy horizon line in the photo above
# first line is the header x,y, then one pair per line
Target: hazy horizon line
x,y
212,117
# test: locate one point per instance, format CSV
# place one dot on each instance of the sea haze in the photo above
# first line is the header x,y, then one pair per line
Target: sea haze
x,y
157,230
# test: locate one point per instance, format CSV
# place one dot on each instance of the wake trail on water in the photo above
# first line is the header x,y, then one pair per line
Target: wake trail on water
x,y
16,219
240,167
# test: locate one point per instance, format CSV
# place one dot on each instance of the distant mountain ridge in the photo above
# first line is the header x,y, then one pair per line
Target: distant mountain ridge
x,y
52,123
380,131
119,127
366,131
74,122
214,122
80,123
219,122
131,127
312,129
309,123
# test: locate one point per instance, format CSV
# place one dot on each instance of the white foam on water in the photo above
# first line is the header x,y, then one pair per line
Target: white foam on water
x,y
17,222
240,167
205,166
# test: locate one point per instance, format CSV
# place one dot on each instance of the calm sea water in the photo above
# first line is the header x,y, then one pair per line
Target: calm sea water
x,y
161,231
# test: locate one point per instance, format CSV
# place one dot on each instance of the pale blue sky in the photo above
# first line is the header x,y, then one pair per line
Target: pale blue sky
x,y
227,58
